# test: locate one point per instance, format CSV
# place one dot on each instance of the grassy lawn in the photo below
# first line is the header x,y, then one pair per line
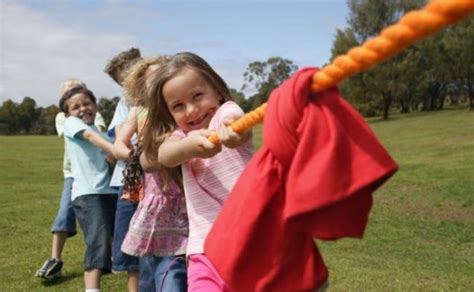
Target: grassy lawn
x,y
420,236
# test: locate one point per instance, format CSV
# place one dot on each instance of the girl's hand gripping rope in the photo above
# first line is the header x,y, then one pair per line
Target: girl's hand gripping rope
x,y
244,123
230,138
204,148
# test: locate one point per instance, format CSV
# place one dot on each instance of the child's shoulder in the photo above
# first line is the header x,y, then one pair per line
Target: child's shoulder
x,y
230,104
228,109
73,125
75,122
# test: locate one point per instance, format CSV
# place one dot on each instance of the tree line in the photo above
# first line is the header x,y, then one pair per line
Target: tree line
x,y
423,77
27,118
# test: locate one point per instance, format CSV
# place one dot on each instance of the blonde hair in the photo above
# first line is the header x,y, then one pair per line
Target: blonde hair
x,y
134,85
70,83
136,94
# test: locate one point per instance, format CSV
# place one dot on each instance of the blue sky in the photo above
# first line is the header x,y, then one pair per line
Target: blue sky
x,y
44,42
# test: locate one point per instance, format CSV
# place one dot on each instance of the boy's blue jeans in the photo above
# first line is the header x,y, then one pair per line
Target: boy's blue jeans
x,y
122,262
65,220
96,214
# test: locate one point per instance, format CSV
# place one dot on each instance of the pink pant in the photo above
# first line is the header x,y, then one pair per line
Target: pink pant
x,y
202,276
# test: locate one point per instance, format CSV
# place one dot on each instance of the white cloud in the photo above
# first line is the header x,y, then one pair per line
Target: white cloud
x,y
37,54
41,44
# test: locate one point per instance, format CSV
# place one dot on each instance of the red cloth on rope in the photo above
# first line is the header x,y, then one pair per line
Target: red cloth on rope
x,y
313,177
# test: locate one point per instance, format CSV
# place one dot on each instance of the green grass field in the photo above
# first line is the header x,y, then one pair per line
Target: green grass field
x,y
420,236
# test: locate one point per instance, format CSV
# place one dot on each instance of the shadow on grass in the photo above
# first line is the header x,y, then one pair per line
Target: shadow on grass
x,y
399,116
62,280
394,116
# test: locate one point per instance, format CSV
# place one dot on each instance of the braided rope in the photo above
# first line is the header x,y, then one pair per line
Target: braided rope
x,y
413,26
249,120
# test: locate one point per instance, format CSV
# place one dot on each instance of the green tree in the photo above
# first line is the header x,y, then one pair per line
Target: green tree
x,y
459,41
46,119
9,117
27,114
354,88
411,85
240,99
265,76
107,108
375,90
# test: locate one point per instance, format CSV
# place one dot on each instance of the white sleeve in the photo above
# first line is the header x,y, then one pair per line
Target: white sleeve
x,y
120,115
59,123
99,121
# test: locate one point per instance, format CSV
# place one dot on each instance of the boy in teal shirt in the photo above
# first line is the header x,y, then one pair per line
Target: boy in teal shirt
x,y
93,200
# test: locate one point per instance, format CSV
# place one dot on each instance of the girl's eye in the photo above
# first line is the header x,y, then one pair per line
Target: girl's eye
x,y
177,107
198,96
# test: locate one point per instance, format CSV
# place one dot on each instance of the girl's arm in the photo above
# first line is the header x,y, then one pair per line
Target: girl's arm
x,y
124,134
176,150
145,163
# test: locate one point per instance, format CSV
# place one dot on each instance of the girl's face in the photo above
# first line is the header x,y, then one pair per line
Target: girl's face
x,y
191,100
82,107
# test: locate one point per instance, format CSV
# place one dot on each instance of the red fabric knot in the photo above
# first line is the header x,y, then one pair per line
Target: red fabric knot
x,y
313,177
284,114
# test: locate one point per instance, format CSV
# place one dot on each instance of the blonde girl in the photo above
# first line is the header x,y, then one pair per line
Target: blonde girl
x,y
159,228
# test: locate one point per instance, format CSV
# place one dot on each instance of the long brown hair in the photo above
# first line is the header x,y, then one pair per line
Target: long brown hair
x,y
160,122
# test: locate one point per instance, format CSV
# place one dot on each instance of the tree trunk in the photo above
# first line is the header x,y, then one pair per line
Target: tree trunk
x,y
471,99
434,92
454,98
387,101
405,105
442,99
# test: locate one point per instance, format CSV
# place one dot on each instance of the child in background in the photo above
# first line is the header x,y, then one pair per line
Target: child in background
x,y
159,228
188,101
64,225
93,200
117,68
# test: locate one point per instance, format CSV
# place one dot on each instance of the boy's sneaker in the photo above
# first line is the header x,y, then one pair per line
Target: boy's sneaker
x,y
50,270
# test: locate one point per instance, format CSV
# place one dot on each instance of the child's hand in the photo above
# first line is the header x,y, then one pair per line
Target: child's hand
x,y
231,139
203,148
110,160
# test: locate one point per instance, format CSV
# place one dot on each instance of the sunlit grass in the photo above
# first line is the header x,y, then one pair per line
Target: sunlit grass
x,y
420,235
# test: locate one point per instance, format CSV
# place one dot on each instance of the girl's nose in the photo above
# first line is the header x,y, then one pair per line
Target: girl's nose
x,y
190,109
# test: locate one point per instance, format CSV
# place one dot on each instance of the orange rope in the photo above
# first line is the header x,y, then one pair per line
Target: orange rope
x,y
246,122
413,26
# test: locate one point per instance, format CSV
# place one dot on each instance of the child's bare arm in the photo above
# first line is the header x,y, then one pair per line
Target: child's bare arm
x,y
145,163
176,150
124,134
97,140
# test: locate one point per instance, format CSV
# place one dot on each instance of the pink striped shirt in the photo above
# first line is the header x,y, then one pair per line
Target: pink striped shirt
x,y
207,182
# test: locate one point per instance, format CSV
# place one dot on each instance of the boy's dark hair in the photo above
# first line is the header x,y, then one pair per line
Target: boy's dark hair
x,y
73,91
121,63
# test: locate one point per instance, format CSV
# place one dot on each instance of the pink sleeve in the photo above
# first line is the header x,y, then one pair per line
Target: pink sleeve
x,y
227,110
178,133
